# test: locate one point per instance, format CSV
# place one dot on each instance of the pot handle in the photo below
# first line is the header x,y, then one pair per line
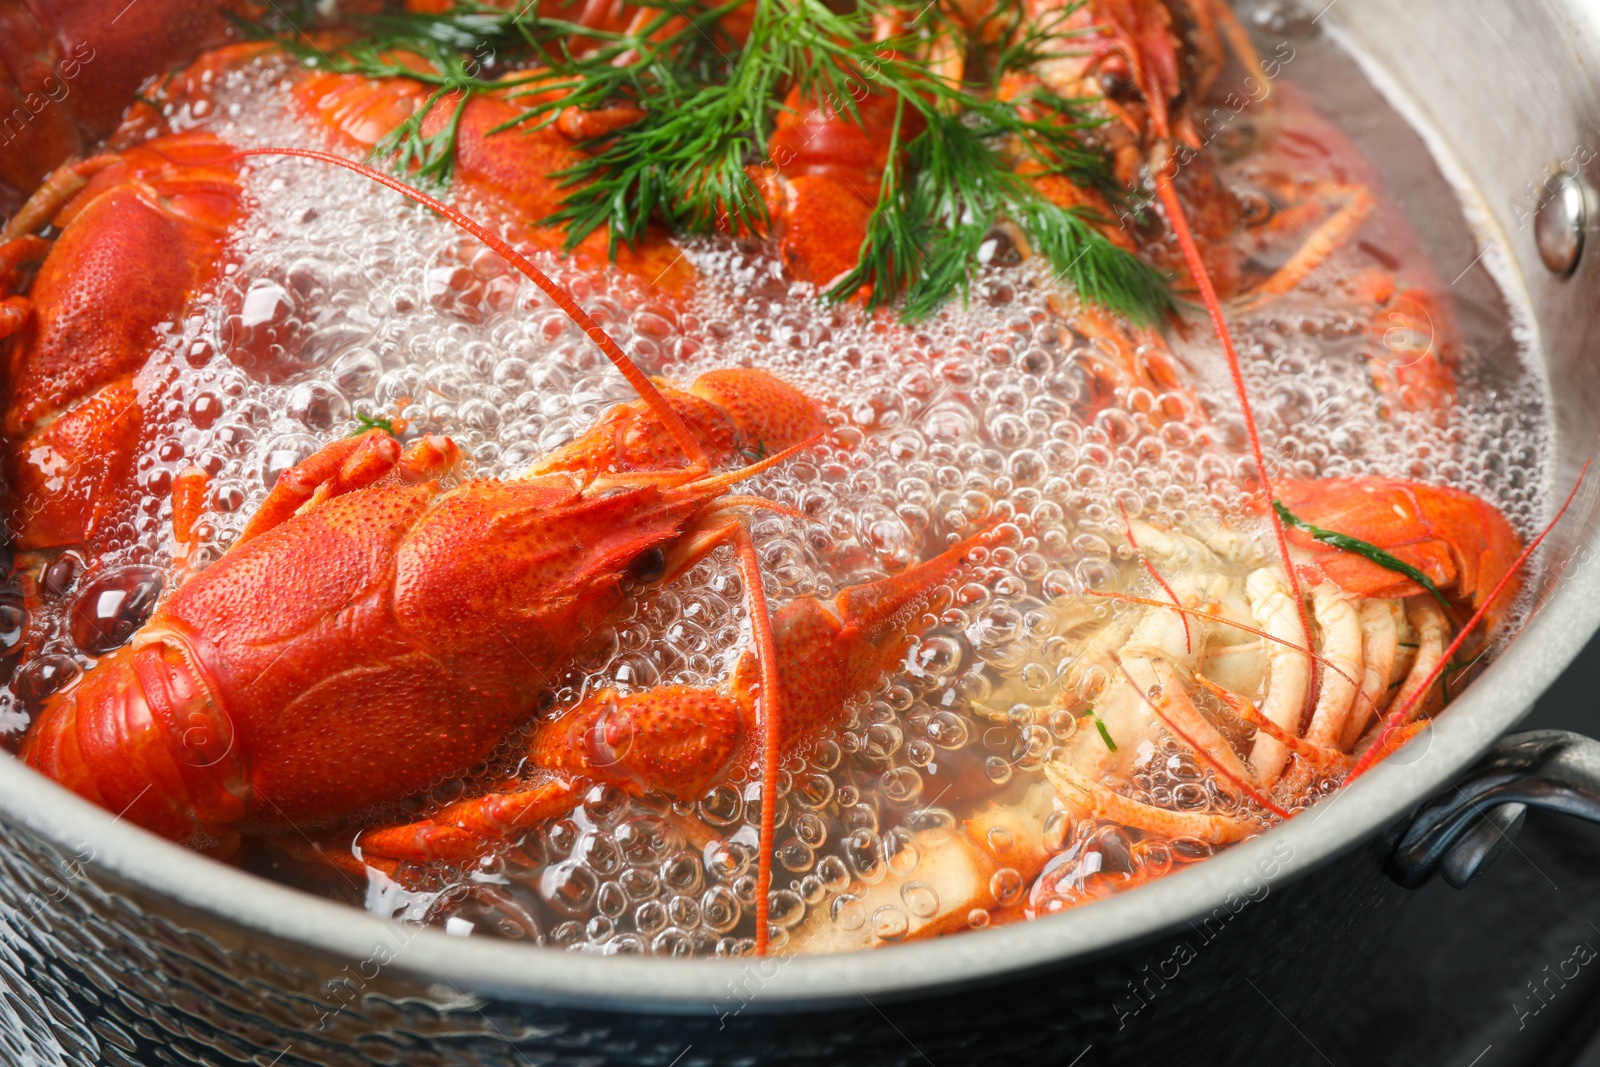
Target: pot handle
x,y
1461,831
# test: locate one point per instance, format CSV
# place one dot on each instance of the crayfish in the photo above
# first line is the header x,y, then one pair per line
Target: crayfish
x,y
412,627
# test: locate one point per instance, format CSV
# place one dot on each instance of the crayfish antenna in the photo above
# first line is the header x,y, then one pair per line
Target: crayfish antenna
x,y
715,483
676,426
771,725
1163,165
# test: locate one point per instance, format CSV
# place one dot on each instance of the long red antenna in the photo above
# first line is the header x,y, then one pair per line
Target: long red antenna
x,y
641,383
771,726
1247,788
1162,165
1397,719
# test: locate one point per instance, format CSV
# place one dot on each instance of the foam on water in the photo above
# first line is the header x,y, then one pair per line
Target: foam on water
x,y
345,300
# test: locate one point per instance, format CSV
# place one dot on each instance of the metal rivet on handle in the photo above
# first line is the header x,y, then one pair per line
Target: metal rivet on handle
x,y
1559,225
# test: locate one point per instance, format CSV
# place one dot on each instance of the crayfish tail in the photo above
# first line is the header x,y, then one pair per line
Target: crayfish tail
x,y
142,736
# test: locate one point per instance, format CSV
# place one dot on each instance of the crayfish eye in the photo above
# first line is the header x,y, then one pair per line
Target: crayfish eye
x,y
648,566
1117,83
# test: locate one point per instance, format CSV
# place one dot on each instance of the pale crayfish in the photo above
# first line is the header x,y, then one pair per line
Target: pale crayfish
x,y
1214,659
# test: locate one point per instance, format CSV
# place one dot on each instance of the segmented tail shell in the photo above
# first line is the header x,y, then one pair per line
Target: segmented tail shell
x,y
143,736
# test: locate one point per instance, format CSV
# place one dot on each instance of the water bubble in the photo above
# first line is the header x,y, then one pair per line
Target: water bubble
x,y
643,840
640,884
811,830
569,887
41,676
114,605
796,856
1006,886
599,852
62,574
723,806
681,872
863,851
720,910
920,899
890,923
610,900
650,917
785,909
683,911
848,912
998,770
900,785
355,371
833,873
13,624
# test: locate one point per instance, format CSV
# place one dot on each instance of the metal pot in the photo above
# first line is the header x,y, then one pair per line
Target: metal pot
x,y
117,947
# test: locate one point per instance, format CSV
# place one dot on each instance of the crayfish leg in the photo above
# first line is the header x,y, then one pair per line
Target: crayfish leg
x,y
14,313
1178,710
57,190
1433,633
674,739
345,466
1289,672
735,412
188,504
468,829
1079,789
19,255
1355,205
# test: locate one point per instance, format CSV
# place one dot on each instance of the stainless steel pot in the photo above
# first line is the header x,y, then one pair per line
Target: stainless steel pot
x,y
117,947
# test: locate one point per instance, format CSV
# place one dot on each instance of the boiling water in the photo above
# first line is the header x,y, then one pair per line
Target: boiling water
x,y
342,301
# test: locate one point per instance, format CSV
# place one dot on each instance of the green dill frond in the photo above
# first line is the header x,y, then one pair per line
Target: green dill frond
x,y
370,422
924,237
1100,271
710,104
686,160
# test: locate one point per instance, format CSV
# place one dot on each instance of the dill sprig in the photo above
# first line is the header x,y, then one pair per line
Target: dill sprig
x,y
453,49
1100,724
463,49
709,107
945,195
687,162
372,422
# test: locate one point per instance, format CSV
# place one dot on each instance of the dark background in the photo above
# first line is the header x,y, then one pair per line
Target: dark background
x,y
1472,978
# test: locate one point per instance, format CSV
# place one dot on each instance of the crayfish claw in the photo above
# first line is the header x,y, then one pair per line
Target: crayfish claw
x,y
336,469
431,456
468,829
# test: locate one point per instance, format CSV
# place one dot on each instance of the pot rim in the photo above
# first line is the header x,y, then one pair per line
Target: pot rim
x,y
523,973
